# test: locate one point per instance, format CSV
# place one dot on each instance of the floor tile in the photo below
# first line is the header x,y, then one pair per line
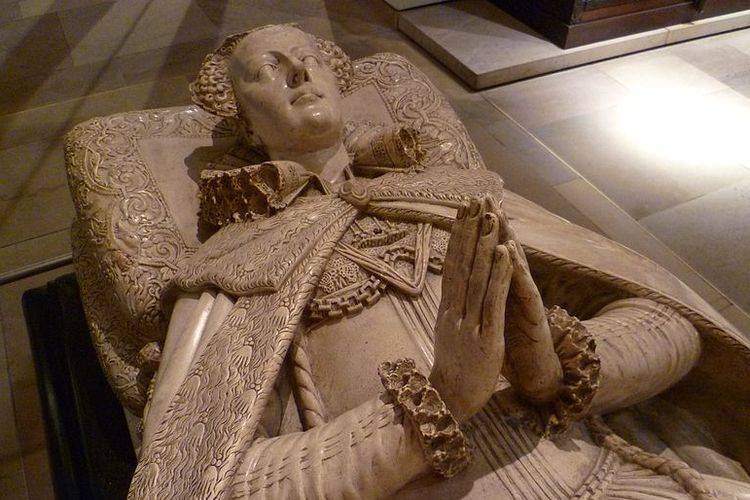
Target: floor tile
x,y
521,178
36,183
33,46
38,475
622,228
28,414
715,56
221,10
10,10
180,60
235,16
102,31
661,71
736,73
31,8
651,153
739,39
55,120
709,26
259,12
523,151
37,251
9,446
61,85
31,433
331,23
718,247
740,83
553,98
377,13
239,15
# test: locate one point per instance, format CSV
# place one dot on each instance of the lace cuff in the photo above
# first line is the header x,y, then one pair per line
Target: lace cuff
x,y
445,445
576,349
250,192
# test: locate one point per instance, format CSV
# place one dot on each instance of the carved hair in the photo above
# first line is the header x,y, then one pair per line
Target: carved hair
x,y
212,88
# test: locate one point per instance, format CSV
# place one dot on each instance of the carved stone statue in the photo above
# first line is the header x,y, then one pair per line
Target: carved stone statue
x,y
374,315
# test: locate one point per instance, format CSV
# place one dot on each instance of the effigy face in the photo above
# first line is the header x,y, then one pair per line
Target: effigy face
x,y
285,92
371,306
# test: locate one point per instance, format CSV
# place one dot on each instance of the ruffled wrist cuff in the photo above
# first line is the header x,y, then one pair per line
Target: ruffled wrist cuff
x,y
576,349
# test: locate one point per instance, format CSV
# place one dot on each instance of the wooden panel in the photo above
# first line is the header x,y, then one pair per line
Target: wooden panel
x,y
636,22
538,18
603,10
572,23
713,8
564,10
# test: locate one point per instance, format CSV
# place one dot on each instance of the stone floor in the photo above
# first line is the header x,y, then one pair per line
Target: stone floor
x,y
486,47
648,149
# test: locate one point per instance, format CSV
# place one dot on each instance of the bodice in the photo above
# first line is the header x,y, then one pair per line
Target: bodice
x,y
376,301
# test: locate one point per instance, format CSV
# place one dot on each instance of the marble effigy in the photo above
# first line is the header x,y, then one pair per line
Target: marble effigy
x,y
362,310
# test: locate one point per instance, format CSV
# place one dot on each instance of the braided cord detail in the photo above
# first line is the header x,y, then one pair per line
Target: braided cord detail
x,y
309,400
688,478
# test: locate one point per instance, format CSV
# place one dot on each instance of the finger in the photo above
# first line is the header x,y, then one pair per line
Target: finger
x,y
536,370
480,272
508,234
491,205
450,262
464,240
493,307
506,231
525,296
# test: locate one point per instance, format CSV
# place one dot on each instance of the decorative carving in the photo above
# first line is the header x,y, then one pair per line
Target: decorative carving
x,y
415,102
372,256
446,447
125,239
576,349
307,240
684,475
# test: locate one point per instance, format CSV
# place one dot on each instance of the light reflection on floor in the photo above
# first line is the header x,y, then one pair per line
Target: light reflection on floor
x,y
679,127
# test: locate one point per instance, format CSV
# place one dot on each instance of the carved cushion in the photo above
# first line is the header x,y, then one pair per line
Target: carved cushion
x,y
134,176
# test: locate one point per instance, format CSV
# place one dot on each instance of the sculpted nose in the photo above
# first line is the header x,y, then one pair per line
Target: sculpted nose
x,y
298,74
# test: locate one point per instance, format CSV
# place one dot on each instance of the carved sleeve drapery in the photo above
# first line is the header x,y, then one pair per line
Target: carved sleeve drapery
x,y
368,452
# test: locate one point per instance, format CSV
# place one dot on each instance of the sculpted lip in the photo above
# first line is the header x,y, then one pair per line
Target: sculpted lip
x,y
305,96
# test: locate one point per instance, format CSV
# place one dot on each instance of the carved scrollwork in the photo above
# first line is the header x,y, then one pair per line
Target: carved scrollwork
x,y
126,243
414,101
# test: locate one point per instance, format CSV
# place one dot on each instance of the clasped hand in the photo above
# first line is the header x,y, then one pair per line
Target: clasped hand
x,y
490,313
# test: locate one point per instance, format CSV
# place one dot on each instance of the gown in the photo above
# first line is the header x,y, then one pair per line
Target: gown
x,y
281,279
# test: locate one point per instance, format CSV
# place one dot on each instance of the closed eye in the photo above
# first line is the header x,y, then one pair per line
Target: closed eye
x,y
267,70
310,61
